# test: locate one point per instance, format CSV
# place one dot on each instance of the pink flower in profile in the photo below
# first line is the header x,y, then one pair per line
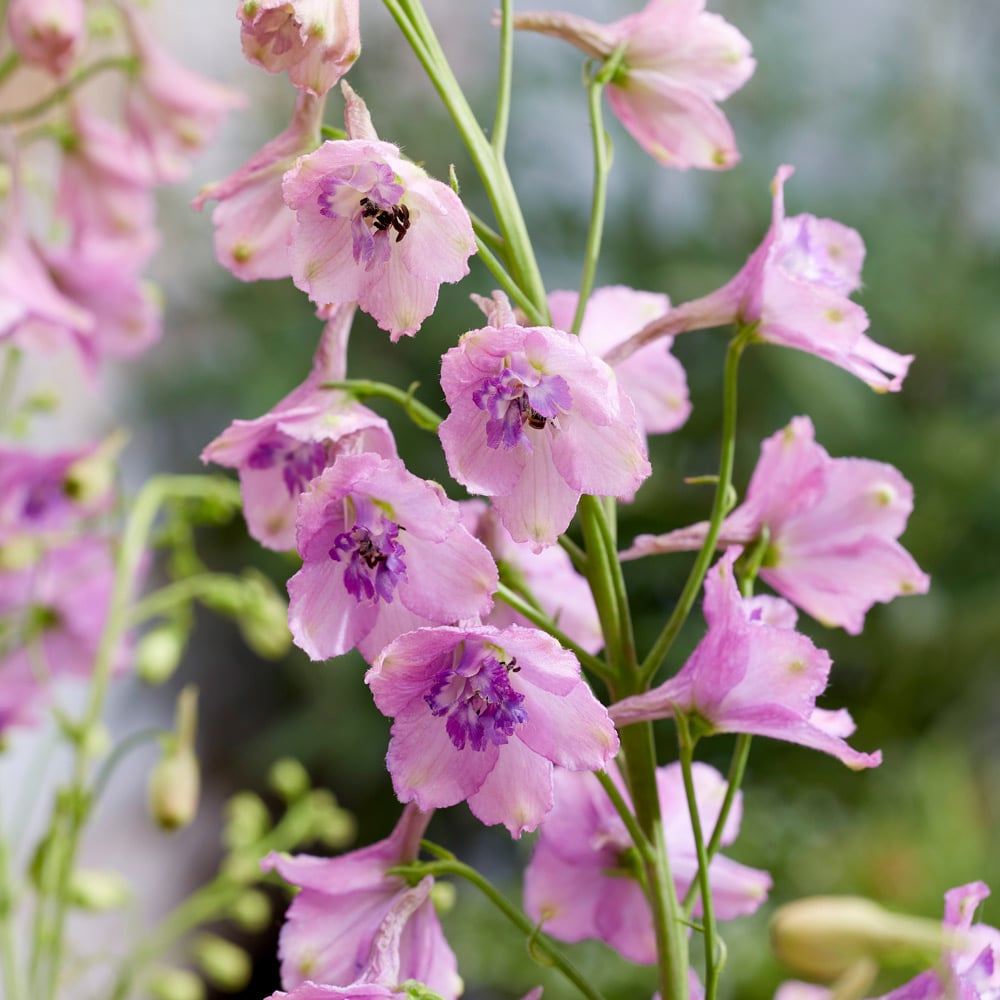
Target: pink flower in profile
x,y
373,228
48,33
748,676
482,714
383,553
279,454
562,593
794,290
332,922
253,224
832,523
535,422
678,62
652,377
581,884
317,41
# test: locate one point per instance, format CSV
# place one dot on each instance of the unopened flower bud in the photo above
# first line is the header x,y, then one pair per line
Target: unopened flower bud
x,y
288,778
247,820
225,964
90,478
443,895
99,890
264,619
252,911
175,782
823,937
159,652
176,984
331,825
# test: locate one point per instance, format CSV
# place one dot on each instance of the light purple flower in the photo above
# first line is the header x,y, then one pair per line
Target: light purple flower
x,y
482,714
334,920
316,41
535,422
833,526
253,225
279,454
678,62
747,676
383,553
48,33
794,288
581,884
373,228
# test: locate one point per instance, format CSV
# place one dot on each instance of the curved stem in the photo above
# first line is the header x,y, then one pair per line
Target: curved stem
x,y
182,591
10,62
120,752
501,119
423,416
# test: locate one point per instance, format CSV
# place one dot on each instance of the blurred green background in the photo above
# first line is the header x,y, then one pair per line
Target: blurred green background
x,y
889,111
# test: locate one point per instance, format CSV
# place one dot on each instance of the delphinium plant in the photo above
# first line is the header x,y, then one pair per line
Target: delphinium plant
x,y
498,629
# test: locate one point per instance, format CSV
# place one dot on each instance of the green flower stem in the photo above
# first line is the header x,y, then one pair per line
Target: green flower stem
x,y
486,233
73,802
501,118
8,381
126,63
423,416
712,965
577,556
8,951
122,749
507,283
10,62
692,586
542,620
642,845
539,942
183,591
492,169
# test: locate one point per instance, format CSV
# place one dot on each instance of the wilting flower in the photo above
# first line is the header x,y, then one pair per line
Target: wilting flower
x,y
482,714
652,377
535,422
832,524
317,41
581,882
747,676
48,33
252,222
373,228
279,454
794,291
383,553
332,922
678,61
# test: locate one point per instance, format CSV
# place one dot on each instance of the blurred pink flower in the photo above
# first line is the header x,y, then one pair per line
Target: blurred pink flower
x,y
482,715
48,33
678,62
317,41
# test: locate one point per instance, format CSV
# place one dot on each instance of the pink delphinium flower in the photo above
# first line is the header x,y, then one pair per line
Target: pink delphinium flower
x,y
279,454
832,523
562,593
747,676
794,290
253,224
482,714
317,41
383,553
678,61
652,377
580,884
331,923
48,33
373,228
535,422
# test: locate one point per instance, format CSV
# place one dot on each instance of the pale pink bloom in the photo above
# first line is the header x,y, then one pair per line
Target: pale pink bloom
x,y
383,553
482,714
317,41
652,377
746,676
48,33
253,225
678,62
535,422
373,228
279,454
794,291
832,523
562,593
333,923
171,111
580,883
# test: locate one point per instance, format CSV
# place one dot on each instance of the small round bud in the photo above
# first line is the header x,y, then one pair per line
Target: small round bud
x,y
443,896
176,984
96,740
288,778
98,890
243,868
252,911
332,826
174,788
159,652
247,820
264,619
226,965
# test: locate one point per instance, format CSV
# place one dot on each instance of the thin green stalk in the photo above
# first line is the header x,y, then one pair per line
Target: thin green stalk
x,y
8,381
10,62
507,283
423,416
8,951
486,233
122,749
642,845
539,942
542,620
179,592
692,586
501,118
577,556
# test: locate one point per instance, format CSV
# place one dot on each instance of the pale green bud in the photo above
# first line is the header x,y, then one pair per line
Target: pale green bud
x,y
176,984
288,778
174,788
443,895
19,552
333,826
252,911
247,820
263,621
98,890
159,652
225,964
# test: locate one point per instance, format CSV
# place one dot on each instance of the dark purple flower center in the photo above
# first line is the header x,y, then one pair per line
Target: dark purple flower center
x,y
43,497
477,699
513,400
300,461
374,557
